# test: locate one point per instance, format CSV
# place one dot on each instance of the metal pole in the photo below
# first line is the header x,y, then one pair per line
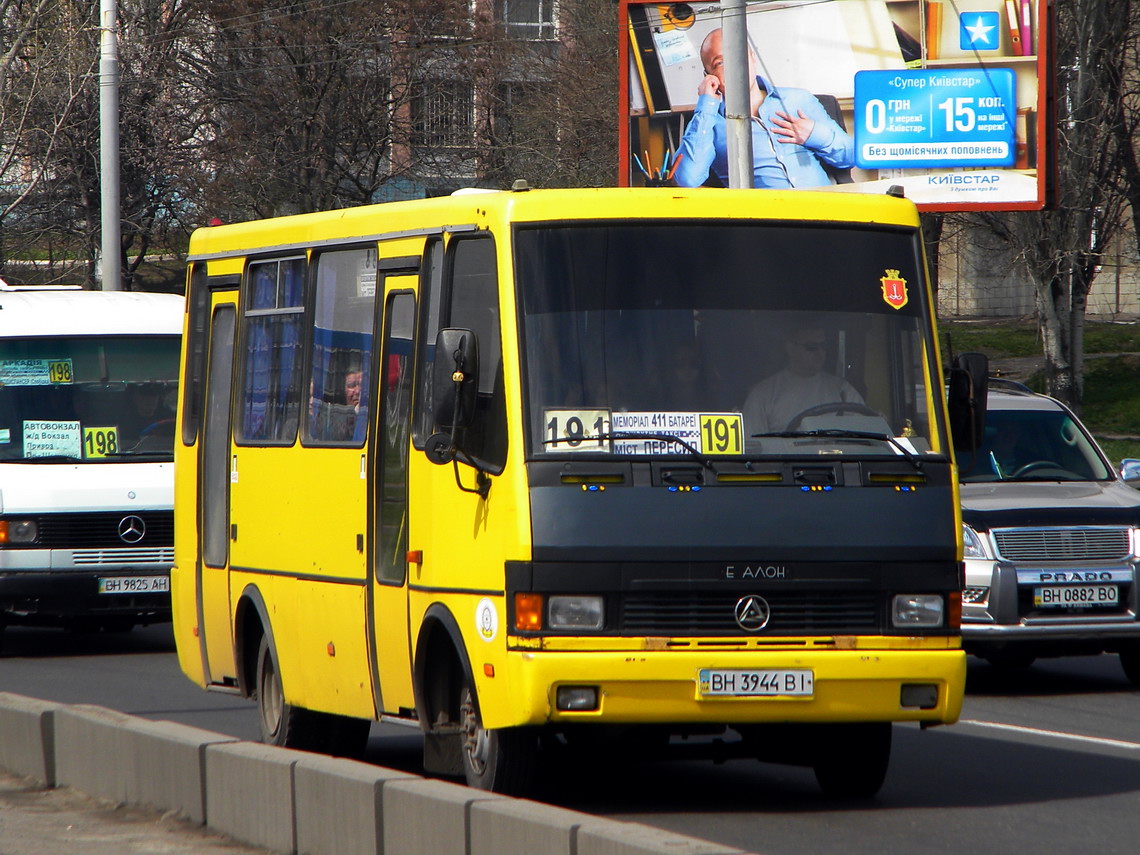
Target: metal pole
x,y
737,100
112,275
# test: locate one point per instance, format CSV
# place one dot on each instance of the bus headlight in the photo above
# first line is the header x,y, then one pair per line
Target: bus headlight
x,y
576,612
917,610
18,531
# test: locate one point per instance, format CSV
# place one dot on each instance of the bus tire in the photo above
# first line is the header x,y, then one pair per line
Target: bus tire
x,y
851,760
282,724
503,760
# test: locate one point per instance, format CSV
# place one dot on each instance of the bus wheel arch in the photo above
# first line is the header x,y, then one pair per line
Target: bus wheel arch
x,y
251,622
440,670
455,741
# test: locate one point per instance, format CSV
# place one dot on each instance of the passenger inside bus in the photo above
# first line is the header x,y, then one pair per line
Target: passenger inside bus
x,y
341,413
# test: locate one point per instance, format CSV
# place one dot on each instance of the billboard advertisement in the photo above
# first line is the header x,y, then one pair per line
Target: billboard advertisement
x,y
947,99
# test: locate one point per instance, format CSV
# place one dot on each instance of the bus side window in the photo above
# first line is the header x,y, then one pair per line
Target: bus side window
x,y
270,392
431,288
471,302
344,305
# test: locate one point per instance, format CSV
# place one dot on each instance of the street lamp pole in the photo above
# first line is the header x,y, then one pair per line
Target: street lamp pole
x,y
112,275
737,100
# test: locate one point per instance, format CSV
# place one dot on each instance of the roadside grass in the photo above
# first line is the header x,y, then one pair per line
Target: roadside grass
x,y
1004,339
1112,372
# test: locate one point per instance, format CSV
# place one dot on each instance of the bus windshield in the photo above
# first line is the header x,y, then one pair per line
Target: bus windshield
x,y
735,338
88,398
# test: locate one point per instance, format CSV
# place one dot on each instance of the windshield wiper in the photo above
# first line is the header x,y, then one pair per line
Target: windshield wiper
x,y
50,458
625,434
147,455
843,433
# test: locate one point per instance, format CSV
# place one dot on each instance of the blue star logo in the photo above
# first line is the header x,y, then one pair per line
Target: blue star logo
x,y
979,31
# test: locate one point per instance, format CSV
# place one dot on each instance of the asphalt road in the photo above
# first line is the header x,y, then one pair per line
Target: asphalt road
x,y
1045,760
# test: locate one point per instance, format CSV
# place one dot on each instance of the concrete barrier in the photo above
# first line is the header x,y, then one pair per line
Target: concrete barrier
x,y
27,741
339,805
297,803
133,760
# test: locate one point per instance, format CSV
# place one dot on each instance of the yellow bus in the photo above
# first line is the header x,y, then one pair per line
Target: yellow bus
x,y
543,470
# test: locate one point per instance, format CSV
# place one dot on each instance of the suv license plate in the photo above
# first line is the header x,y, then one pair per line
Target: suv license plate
x,y
134,585
756,684
1067,596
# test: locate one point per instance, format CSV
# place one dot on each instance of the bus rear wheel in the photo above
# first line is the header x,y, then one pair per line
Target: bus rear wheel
x,y
282,724
851,759
502,760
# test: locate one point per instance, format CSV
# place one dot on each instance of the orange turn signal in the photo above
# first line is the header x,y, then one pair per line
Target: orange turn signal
x,y
954,610
528,612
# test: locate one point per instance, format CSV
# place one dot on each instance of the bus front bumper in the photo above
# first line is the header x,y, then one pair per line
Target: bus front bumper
x,y
675,687
139,595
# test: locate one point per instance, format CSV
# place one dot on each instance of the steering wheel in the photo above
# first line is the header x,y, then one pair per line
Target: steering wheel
x,y
154,427
833,407
1033,467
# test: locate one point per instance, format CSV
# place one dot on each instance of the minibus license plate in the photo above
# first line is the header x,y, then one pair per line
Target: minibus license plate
x,y
1062,596
134,585
740,683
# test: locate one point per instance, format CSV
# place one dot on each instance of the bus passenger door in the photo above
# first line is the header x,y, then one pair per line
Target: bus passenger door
x,y
388,489
214,495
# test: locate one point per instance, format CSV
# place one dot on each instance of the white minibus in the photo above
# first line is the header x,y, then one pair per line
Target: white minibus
x,y
88,388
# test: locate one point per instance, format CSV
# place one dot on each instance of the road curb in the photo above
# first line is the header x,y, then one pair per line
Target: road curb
x,y
297,803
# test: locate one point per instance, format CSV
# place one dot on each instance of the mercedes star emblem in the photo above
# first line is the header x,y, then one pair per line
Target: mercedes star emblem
x,y
131,529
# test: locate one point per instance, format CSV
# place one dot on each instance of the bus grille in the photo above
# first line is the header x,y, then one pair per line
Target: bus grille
x,y
101,531
713,613
95,557
1063,544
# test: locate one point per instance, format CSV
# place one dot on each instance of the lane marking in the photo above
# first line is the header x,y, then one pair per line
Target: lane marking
x,y
1057,734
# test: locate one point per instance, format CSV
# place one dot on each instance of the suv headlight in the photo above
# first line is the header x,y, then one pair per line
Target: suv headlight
x,y
973,546
917,610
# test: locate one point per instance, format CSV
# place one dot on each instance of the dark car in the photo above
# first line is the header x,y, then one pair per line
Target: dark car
x,y
1050,537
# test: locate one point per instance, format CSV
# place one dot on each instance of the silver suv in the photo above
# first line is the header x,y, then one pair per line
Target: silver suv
x,y
1051,539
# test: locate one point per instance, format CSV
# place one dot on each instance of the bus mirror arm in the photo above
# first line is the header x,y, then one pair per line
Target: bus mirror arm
x,y
441,449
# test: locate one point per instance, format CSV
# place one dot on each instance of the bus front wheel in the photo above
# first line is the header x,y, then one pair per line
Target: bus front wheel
x,y
503,760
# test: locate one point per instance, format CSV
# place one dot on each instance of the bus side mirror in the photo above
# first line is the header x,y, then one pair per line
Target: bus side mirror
x,y
966,396
455,378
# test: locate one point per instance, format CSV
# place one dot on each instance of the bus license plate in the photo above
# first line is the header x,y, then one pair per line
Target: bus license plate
x,y
740,683
1061,596
134,585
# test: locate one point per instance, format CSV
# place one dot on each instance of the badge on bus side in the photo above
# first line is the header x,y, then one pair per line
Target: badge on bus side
x,y
486,620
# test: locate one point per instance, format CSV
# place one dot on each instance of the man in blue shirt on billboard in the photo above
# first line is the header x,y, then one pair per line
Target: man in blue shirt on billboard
x,y
792,134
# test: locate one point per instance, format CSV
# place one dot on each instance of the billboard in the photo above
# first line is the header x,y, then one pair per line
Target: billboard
x,y
947,99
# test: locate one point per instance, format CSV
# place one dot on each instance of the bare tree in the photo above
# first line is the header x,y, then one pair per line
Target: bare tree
x,y
301,95
43,96
550,115
50,115
1062,248
1125,115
